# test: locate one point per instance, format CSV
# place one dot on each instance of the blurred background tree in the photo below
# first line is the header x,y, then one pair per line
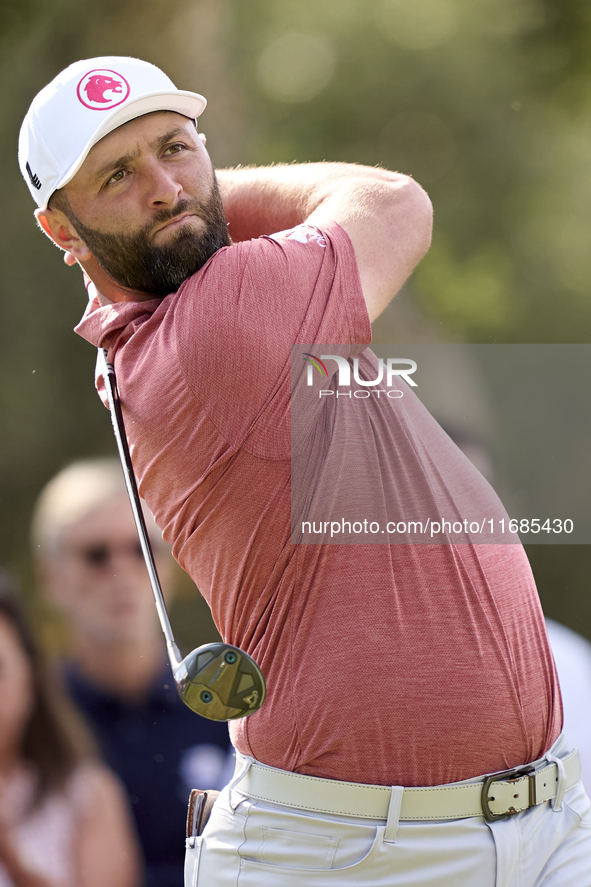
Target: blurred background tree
x,y
485,102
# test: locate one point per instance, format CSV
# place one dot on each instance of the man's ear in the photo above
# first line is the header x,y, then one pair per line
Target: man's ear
x,y
58,228
203,137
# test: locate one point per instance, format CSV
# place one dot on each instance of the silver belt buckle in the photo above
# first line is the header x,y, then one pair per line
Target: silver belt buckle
x,y
507,776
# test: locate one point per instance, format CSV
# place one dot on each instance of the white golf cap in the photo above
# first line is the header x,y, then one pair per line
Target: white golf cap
x,y
85,102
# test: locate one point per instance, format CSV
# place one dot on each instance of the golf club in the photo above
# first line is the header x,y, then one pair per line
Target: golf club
x,y
218,681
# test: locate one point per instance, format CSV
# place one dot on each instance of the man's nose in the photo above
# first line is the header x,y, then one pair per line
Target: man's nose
x,y
162,187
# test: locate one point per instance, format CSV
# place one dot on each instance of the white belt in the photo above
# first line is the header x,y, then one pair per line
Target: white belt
x,y
501,794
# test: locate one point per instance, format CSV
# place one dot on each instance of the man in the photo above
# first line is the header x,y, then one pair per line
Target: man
x,y
91,567
390,667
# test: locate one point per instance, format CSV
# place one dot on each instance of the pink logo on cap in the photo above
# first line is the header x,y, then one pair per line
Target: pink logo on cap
x,y
101,89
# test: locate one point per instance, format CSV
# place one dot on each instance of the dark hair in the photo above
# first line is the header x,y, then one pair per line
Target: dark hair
x,y
55,740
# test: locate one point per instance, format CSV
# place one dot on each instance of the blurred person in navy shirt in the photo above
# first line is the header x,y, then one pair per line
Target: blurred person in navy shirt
x,y
91,567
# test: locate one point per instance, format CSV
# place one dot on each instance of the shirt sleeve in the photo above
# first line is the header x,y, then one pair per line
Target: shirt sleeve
x,y
236,323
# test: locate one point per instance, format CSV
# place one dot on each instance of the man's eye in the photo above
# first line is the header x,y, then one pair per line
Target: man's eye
x,y
174,149
116,177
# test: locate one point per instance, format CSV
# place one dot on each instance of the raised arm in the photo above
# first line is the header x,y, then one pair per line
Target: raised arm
x,y
387,215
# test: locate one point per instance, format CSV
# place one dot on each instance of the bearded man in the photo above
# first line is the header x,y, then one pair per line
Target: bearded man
x,y
412,727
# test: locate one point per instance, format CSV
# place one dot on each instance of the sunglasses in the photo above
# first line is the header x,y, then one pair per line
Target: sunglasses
x,y
102,554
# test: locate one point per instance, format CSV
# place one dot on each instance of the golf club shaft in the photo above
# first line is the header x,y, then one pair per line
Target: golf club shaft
x,y
110,381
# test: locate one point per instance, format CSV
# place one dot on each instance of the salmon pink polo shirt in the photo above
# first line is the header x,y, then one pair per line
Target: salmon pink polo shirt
x,y
385,664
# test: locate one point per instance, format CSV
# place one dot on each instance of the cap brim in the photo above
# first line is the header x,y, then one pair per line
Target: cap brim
x,y
189,104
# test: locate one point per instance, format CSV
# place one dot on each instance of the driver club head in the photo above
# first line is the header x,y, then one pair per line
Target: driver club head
x,y
220,682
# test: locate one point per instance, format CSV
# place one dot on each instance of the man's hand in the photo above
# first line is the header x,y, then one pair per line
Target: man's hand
x,y
387,215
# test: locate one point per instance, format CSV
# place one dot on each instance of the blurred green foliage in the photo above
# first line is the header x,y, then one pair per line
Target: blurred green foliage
x,y
486,102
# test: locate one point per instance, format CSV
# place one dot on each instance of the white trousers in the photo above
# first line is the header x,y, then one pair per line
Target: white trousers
x,y
248,843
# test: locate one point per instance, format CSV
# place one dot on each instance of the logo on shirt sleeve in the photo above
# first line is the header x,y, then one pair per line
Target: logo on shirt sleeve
x,y
302,234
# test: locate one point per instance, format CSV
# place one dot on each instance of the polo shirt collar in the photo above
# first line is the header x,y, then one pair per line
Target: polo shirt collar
x,y
102,324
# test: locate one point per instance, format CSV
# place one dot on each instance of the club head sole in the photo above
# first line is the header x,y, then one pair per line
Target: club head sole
x,y
220,682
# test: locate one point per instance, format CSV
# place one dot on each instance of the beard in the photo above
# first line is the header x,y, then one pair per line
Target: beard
x,y
135,262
